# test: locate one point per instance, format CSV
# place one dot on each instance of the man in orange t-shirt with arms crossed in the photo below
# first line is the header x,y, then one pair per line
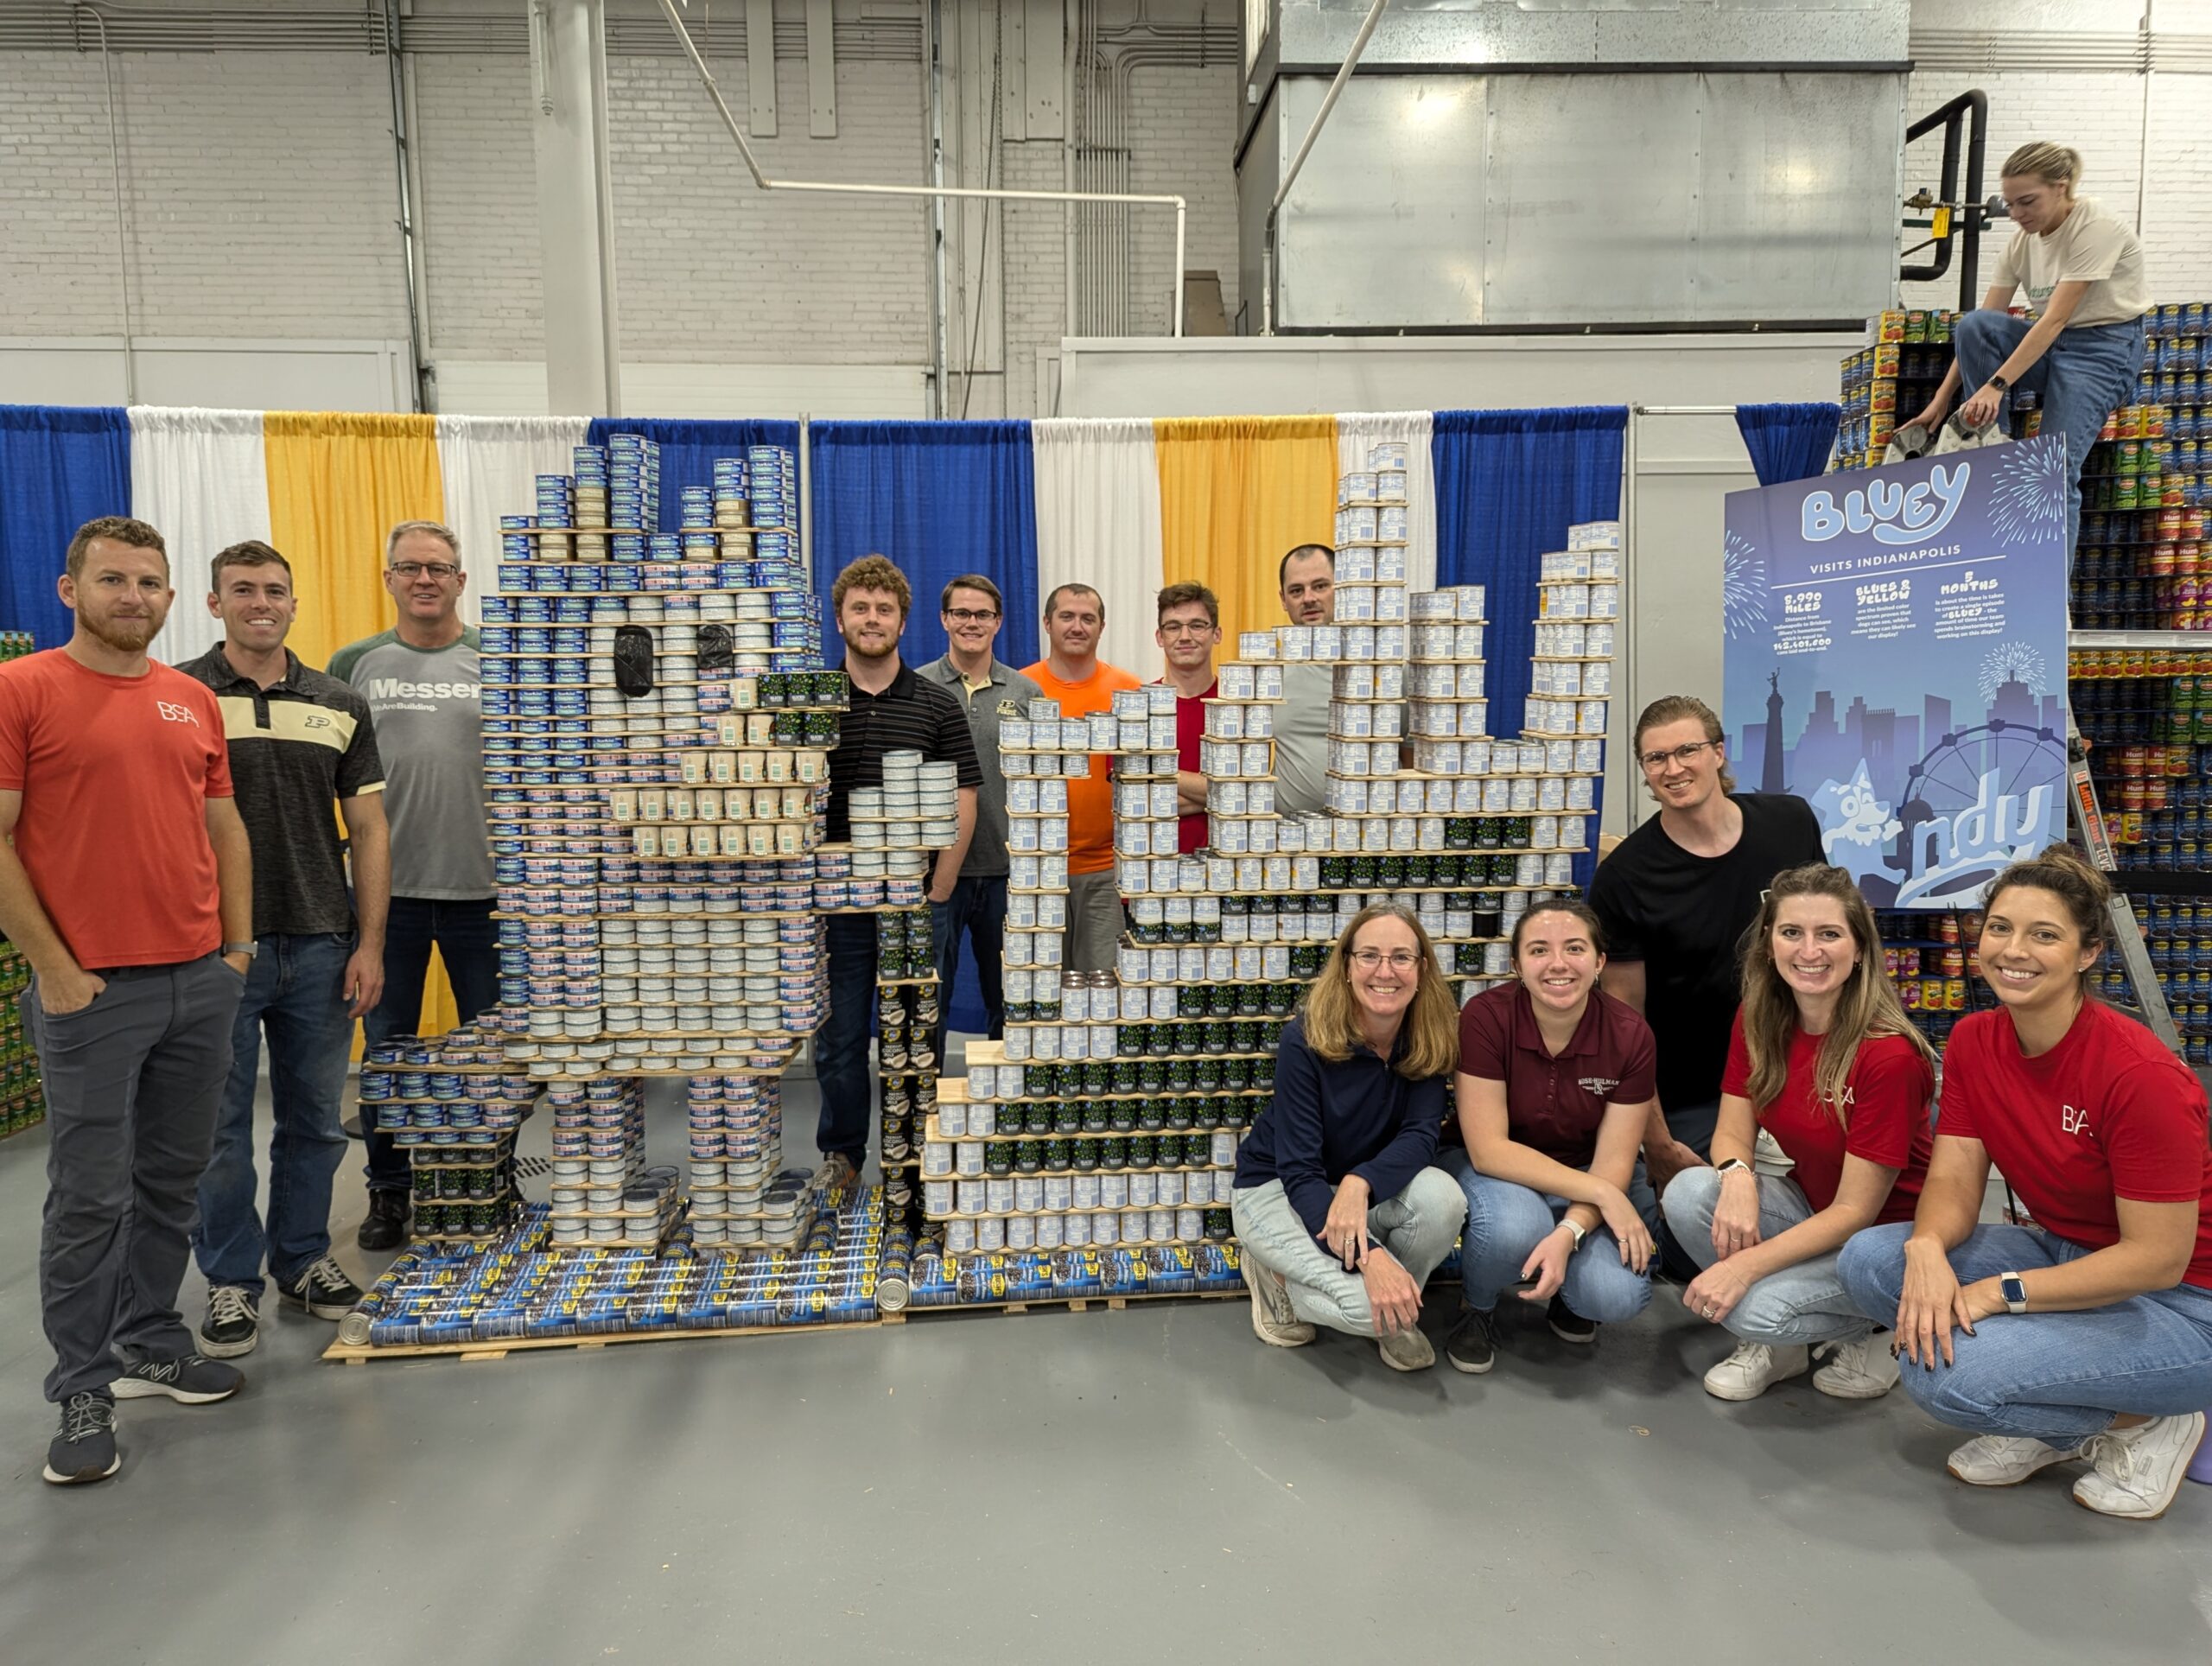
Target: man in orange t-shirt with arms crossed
x,y
128,888
1072,673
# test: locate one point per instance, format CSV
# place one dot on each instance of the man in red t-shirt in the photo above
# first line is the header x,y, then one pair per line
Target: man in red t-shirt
x,y
128,888
1188,632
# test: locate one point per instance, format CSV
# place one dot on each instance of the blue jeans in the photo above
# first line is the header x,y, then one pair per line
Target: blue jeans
x,y
293,989
2054,1377
1799,1306
1505,1222
2087,373
467,940
841,1052
977,909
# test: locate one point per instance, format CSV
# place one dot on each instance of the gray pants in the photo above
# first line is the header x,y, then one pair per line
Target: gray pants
x,y
133,1083
1804,1303
1419,1227
1094,921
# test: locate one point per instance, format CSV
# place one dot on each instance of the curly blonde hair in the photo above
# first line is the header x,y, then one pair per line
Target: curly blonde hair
x,y
873,573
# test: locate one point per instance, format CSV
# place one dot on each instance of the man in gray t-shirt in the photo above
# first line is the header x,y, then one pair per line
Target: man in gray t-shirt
x,y
971,611
420,679
1307,581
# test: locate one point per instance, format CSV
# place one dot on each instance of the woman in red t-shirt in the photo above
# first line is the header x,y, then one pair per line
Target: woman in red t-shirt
x,y
1824,1059
2088,1335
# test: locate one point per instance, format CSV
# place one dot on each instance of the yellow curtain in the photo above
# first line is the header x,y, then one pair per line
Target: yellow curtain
x,y
337,483
1235,494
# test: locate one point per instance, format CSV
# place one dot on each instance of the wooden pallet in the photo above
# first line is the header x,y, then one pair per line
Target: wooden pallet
x,y
499,1348
1073,1304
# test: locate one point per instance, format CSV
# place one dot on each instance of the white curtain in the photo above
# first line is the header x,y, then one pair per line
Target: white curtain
x,y
199,477
1098,523
491,465
1356,435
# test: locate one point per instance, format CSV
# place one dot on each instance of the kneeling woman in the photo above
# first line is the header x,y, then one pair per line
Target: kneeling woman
x,y
1824,1058
1339,1217
2089,1335
1555,1089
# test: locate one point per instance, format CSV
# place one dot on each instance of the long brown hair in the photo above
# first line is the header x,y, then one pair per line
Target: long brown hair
x,y
2067,874
1431,1032
1868,1006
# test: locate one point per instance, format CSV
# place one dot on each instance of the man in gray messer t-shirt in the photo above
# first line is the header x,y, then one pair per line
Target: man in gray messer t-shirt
x,y
972,611
1307,579
422,680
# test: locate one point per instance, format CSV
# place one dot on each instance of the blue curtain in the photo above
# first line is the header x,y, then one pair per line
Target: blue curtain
x,y
940,500
60,466
1788,442
687,451
1508,484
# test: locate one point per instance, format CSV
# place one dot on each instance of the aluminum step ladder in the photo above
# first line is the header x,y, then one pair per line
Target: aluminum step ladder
x,y
2127,930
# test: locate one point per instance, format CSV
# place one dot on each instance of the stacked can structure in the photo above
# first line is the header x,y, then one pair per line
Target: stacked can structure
x,y
453,1105
1890,382
657,724
2141,563
22,1098
1930,957
909,1012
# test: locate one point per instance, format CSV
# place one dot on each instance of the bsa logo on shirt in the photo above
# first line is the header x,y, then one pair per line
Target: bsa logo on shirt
x,y
1600,1085
2073,1121
173,713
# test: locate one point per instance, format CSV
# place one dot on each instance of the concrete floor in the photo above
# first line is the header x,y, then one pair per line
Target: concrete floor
x,y
1130,1486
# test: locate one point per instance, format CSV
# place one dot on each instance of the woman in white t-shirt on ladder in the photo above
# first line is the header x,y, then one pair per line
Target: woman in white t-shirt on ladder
x,y
2081,348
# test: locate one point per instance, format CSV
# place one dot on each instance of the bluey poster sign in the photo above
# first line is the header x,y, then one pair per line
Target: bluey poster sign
x,y
1896,656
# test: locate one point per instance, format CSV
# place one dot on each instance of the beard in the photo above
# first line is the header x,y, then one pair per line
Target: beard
x,y
858,650
124,635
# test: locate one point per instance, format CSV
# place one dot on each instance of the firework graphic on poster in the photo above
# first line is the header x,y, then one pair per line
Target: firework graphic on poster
x,y
1743,587
2022,504
2012,662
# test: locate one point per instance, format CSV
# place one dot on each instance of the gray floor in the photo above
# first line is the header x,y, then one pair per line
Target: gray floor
x,y
1134,1487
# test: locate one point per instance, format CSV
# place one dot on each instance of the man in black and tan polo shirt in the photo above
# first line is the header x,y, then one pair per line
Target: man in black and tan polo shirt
x,y
299,741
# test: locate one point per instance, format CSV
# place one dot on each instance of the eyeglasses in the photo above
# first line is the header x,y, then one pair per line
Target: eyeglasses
x,y
411,569
1659,760
1401,960
970,615
1189,627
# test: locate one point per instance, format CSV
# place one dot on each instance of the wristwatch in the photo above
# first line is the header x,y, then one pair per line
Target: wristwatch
x,y
249,950
1580,1231
1998,383
1732,1165
2014,1289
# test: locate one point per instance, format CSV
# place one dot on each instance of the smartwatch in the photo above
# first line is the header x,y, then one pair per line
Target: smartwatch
x,y
1578,1228
2014,1289
1732,1165
249,950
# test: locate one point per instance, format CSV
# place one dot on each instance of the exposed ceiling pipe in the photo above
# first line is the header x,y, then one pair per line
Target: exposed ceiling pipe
x,y
1290,176
402,157
1180,205
122,225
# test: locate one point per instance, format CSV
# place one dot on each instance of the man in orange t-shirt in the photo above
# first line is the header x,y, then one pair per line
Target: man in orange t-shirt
x,y
1073,674
126,878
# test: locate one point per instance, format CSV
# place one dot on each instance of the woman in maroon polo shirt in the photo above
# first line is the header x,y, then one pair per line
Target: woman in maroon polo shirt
x,y
1824,1059
2088,1335
1555,1085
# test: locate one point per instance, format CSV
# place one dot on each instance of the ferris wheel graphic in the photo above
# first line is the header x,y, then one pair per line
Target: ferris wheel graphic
x,y
1984,766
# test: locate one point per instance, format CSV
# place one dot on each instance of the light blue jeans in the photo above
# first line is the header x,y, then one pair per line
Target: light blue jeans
x,y
1799,1306
1418,1227
2087,373
2054,1377
1505,1222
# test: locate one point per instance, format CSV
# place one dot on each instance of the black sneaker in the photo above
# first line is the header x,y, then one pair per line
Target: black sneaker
x,y
323,1289
233,1324
194,1380
385,1228
84,1449
1472,1345
1569,1325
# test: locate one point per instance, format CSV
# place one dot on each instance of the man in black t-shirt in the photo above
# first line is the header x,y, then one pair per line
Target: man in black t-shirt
x,y
1676,897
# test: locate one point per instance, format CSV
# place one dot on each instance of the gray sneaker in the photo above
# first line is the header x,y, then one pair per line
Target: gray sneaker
x,y
192,1380
1406,1350
1273,1320
84,1449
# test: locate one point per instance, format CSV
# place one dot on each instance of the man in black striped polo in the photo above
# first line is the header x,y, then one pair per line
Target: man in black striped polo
x,y
300,741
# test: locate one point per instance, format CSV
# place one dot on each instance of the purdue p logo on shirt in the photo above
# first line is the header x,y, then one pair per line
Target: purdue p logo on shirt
x,y
173,713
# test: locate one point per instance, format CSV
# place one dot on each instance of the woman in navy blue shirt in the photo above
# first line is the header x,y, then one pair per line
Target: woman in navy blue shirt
x,y
1339,1217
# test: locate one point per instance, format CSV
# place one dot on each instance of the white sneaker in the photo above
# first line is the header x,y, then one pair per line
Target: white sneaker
x,y
1406,1350
2139,1470
1865,1370
1273,1320
1755,1367
2004,1459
